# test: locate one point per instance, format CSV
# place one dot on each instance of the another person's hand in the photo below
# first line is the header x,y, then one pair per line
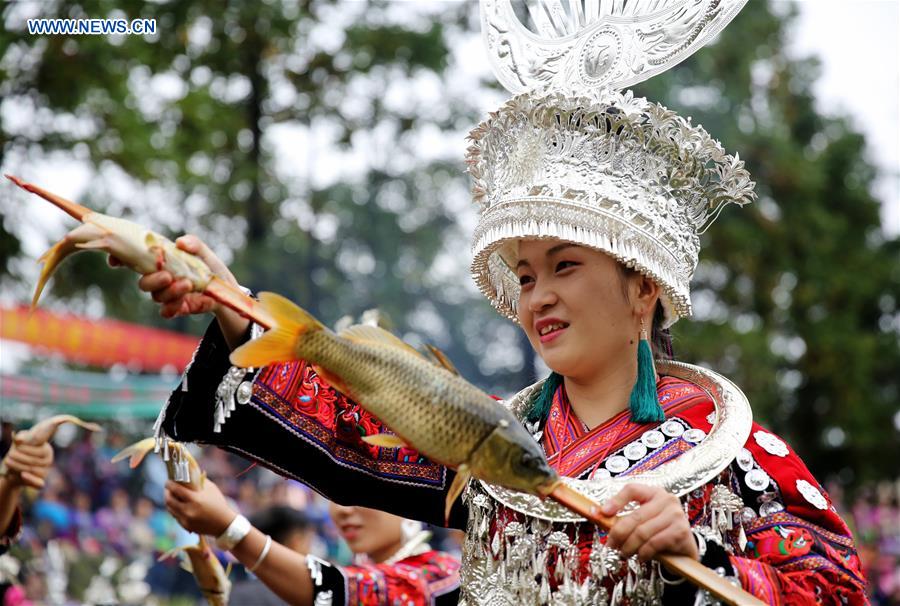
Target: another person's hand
x,y
203,511
28,465
175,296
658,526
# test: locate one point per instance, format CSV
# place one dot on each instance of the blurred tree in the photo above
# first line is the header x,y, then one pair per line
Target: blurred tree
x,y
186,131
796,297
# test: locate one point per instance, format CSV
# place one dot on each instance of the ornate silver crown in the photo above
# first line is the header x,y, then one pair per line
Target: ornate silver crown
x,y
574,159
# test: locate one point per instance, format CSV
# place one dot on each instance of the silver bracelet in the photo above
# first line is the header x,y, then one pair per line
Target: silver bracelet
x,y
234,534
262,555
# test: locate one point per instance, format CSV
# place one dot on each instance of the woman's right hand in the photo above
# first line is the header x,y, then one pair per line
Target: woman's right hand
x,y
176,298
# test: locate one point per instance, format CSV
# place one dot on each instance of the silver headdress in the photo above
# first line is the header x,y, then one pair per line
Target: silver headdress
x,y
575,159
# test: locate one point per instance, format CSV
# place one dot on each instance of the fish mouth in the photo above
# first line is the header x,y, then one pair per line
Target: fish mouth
x,y
547,488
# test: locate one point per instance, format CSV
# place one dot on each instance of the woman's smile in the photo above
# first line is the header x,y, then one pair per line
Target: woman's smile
x,y
549,329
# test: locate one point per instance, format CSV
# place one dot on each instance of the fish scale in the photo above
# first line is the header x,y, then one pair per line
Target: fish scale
x,y
389,385
429,408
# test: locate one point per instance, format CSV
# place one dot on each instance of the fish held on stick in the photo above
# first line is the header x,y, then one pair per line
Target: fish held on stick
x,y
424,402
211,577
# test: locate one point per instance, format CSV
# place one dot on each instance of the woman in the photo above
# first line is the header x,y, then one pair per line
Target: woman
x,y
394,562
591,206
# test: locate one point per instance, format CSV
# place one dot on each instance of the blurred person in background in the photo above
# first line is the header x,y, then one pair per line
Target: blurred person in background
x,y
393,561
286,526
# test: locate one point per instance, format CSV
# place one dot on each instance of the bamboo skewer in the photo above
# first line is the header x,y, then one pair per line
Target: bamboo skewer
x,y
249,308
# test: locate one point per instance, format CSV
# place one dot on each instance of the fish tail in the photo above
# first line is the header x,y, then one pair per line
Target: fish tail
x,y
136,451
280,343
73,242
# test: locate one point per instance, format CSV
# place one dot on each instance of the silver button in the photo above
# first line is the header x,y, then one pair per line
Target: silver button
x,y
812,494
600,474
769,508
694,435
747,515
711,418
635,451
244,391
617,464
673,429
745,460
771,444
757,479
653,439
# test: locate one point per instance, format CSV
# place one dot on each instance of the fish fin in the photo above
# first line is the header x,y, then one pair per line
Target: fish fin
x,y
51,259
463,473
172,553
442,359
136,451
365,333
279,343
385,440
332,379
100,244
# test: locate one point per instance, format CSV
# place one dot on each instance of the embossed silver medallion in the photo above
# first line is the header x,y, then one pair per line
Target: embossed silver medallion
x,y
771,444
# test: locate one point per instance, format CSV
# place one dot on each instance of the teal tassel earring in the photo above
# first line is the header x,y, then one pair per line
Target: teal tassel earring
x,y
540,409
644,403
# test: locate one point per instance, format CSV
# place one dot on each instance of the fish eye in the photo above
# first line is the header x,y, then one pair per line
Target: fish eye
x,y
530,461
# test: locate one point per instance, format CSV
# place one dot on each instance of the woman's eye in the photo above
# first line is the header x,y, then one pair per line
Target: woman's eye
x,y
565,265
523,280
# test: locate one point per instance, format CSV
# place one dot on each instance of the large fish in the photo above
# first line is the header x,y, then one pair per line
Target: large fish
x,y
424,402
211,578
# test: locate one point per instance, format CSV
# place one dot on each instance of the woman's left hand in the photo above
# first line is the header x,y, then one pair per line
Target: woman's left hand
x,y
658,526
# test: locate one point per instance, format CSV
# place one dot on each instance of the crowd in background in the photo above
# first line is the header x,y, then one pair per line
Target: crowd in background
x,y
96,531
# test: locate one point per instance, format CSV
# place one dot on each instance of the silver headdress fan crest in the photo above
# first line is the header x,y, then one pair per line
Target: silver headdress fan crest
x,y
580,44
571,157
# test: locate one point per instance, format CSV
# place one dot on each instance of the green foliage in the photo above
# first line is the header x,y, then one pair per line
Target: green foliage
x,y
796,294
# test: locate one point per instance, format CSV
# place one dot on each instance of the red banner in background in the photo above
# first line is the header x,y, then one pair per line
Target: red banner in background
x,y
101,343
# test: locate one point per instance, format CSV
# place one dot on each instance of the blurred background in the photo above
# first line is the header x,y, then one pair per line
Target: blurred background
x,y
317,147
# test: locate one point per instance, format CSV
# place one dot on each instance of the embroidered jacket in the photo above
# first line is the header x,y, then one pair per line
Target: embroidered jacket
x,y
765,520
429,578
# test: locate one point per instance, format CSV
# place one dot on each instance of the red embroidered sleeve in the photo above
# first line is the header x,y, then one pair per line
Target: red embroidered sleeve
x,y
415,581
798,549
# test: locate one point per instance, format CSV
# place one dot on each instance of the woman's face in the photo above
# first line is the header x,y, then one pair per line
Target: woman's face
x,y
370,531
573,307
